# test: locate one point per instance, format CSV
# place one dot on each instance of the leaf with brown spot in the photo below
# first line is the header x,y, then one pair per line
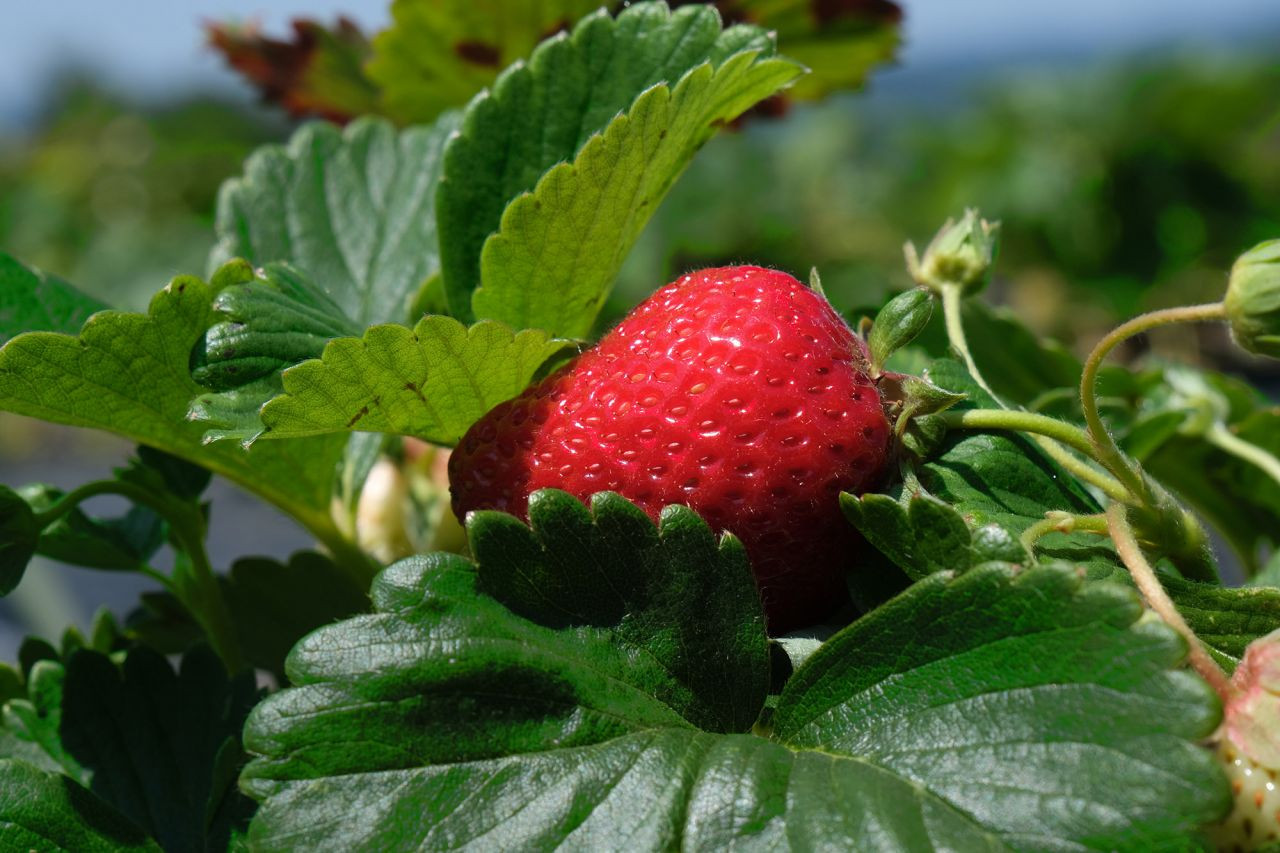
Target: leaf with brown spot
x,y
438,55
839,40
317,72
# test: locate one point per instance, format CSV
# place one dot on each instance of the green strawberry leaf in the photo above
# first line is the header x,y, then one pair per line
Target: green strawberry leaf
x,y
447,720
466,682
920,533
40,810
31,301
274,320
353,209
432,381
271,322
1033,703
1226,619
30,724
129,374
275,604
613,569
34,301
554,257
160,747
675,76
438,55
19,538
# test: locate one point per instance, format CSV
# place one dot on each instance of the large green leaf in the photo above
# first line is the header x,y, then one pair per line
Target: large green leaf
x,y
40,810
543,113
31,301
438,55
160,747
618,616
353,209
604,707
1033,702
129,374
432,381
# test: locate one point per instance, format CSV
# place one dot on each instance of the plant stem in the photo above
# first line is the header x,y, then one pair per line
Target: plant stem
x,y
198,588
1044,426
1061,522
1012,419
952,296
1107,451
1223,438
1144,577
1082,470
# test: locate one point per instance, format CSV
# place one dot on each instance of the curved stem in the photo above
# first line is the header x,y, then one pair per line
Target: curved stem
x,y
198,590
80,494
1223,438
1061,522
1041,425
1012,419
952,296
1144,577
1082,470
1107,451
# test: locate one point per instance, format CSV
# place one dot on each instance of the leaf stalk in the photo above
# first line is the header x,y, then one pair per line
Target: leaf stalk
x,y
195,585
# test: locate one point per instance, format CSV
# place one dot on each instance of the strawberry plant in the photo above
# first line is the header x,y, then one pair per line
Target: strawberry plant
x,y
746,569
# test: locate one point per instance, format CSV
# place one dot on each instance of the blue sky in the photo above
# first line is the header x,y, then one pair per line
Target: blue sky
x,y
155,47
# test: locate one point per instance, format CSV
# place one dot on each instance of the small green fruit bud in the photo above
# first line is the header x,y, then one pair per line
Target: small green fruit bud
x,y
1253,299
960,254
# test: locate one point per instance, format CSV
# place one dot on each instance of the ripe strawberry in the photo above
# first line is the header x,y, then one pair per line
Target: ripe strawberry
x,y
738,392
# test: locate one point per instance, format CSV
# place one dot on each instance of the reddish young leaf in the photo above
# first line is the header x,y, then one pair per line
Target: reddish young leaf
x,y
319,71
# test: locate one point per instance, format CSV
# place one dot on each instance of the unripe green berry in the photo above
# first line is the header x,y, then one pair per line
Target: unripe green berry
x,y
1253,299
960,255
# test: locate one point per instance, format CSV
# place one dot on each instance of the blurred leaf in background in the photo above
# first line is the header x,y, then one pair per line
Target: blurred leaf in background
x,y
118,197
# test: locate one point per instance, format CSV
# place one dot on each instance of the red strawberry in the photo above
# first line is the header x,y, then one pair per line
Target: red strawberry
x,y
736,391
